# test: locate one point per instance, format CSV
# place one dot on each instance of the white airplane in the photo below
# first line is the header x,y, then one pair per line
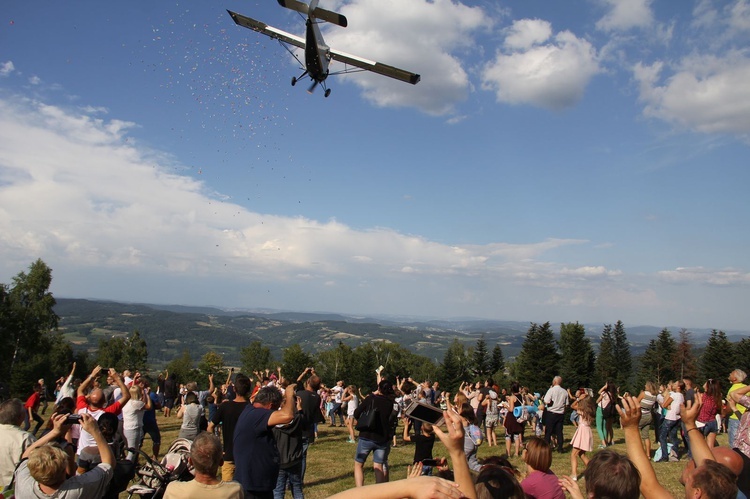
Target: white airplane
x,y
318,55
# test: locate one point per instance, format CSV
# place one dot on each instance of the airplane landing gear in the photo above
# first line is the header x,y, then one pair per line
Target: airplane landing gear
x,y
294,81
327,92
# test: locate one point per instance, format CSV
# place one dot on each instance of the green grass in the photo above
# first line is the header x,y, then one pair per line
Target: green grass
x,y
330,459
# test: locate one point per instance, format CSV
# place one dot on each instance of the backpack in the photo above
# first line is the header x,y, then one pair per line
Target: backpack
x,y
369,420
475,434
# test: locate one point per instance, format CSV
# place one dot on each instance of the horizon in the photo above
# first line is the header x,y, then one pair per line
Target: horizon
x,y
586,162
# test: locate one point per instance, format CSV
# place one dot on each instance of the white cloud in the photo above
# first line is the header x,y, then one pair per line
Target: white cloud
x,y
420,36
102,203
701,275
6,68
624,15
707,93
549,72
35,80
526,33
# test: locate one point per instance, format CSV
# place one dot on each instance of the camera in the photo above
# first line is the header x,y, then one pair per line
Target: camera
x,y
73,419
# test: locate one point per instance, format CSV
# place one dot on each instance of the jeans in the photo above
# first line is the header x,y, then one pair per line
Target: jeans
x,y
336,409
732,426
133,438
293,477
667,431
305,445
39,422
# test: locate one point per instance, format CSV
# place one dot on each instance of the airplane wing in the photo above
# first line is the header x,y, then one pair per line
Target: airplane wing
x,y
375,67
267,30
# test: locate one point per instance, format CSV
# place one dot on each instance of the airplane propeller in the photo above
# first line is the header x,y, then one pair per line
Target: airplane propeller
x,y
312,87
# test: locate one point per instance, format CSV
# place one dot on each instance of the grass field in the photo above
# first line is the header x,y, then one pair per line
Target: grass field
x,y
330,459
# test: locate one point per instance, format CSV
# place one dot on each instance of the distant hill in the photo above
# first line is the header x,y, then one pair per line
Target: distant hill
x,y
171,329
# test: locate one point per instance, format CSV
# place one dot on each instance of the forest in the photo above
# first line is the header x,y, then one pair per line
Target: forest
x,y
41,339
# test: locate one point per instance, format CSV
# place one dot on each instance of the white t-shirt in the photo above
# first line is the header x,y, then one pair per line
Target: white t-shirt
x,y
673,413
132,414
337,391
352,406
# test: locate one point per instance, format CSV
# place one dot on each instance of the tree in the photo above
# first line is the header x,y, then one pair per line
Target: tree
x,y
336,364
182,368
658,360
256,357
717,359
129,352
497,363
538,362
212,363
742,355
455,367
624,363
480,359
27,315
293,361
577,356
606,362
685,364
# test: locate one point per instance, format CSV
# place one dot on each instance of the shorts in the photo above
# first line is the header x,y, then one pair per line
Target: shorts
x,y
513,436
710,427
168,403
645,424
379,451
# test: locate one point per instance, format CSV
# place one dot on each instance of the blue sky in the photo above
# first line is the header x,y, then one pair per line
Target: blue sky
x,y
563,161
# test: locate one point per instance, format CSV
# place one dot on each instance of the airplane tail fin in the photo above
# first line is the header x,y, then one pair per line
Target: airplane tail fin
x,y
316,12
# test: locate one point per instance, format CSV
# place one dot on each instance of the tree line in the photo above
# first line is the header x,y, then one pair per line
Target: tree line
x,y
31,347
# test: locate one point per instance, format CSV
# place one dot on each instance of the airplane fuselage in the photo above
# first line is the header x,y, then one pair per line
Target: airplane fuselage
x,y
316,52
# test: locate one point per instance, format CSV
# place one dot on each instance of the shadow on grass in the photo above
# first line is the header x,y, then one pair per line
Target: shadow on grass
x,y
329,479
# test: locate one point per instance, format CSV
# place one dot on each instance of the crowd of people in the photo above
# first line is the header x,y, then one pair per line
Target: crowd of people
x,y
250,436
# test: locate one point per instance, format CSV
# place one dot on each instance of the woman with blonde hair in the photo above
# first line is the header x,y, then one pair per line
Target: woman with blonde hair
x,y
647,400
352,402
132,418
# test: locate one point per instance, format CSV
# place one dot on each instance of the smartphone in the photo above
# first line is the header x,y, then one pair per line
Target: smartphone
x,y
73,419
429,462
425,413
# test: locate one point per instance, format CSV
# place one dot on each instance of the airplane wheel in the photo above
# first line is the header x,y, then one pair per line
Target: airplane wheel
x,y
294,81
328,92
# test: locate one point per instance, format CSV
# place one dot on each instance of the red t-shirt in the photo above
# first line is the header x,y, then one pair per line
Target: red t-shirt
x,y
33,401
115,408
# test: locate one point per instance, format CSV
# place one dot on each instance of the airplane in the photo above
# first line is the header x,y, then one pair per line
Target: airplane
x,y
318,55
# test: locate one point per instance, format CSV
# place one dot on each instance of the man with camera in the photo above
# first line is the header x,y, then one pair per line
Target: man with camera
x,y
42,472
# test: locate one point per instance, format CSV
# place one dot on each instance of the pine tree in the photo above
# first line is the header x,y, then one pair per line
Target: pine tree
x,y
685,364
538,362
577,356
658,359
742,355
497,364
455,368
624,363
718,356
480,359
606,363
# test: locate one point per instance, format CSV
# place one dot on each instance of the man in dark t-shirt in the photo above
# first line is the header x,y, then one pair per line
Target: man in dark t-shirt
x,y
227,415
311,411
256,456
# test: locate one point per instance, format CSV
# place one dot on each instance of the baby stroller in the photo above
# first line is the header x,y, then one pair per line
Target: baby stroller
x,y
154,477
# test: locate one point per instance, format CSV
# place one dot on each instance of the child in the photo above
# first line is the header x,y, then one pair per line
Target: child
x,y
423,443
491,417
583,439
352,401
